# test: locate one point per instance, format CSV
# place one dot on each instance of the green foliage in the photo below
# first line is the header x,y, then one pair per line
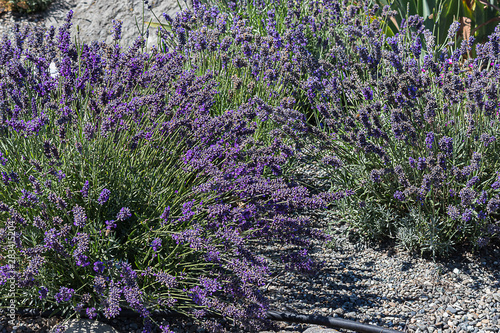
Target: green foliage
x,y
27,6
145,179
479,17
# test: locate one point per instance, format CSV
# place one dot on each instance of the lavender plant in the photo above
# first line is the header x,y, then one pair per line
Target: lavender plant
x,y
424,144
125,191
409,124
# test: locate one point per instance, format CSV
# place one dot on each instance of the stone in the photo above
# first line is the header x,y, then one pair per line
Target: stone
x,y
94,19
87,326
320,330
451,310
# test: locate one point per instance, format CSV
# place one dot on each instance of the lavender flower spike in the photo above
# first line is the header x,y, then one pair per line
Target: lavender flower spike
x,y
104,196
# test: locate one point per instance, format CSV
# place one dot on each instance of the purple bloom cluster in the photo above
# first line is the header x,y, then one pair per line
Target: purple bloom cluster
x,y
104,196
79,216
64,294
123,214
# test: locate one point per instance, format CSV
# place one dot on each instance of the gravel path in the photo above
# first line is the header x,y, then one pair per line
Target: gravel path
x,y
372,284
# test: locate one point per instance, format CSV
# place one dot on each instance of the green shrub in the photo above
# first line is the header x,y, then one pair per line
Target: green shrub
x,y
26,6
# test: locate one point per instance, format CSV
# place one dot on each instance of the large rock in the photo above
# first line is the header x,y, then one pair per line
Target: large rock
x,y
95,18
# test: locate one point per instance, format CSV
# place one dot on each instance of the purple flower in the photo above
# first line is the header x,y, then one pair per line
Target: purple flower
x,y
421,164
375,175
14,177
3,160
166,279
85,189
467,215
473,181
165,329
28,199
123,214
117,30
483,241
429,140
495,185
165,215
60,175
211,285
493,205
398,195
416,47
82,245
59,328
99,267
453,212
128,275
91,313
5,178
452,30
446,145
79,216
333,161
487,139
110,224
367,93
167,17
198,295
156,244
412,162
467,195
43,292
104,196
88,131
113,308
99,284
483,197
64,294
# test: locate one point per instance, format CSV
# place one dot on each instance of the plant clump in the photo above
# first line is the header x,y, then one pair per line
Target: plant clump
x,y
119,189
411,126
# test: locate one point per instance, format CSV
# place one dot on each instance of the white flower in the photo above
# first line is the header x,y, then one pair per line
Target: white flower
x,y
53,70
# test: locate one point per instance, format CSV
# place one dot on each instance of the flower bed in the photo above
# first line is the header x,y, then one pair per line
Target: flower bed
x,y
140,180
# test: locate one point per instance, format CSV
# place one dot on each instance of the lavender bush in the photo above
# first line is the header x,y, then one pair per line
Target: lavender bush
x,y
410,125
419,142
125,192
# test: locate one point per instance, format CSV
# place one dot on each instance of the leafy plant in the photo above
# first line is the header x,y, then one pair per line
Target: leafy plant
x,y
477,18
125,192
26,6
376,103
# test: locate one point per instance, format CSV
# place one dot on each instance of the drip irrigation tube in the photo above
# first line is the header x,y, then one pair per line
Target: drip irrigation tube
x,y
272,315
328,321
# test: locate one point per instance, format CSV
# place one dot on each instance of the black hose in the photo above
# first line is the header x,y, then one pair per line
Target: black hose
x,y
328,321
272,315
